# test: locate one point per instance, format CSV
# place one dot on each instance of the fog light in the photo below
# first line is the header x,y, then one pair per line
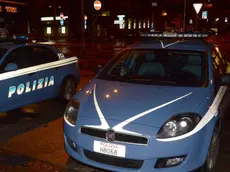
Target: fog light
x,y
174,161
72,144
169,162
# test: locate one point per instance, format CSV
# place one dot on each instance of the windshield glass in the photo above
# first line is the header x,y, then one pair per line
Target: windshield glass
x,y
158,67
2,52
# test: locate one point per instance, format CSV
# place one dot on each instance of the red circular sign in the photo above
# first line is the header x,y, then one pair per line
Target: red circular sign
x,y
97,5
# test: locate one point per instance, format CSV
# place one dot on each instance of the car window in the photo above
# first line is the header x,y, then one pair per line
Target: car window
x,y
41,55
160,67
2,52
17,56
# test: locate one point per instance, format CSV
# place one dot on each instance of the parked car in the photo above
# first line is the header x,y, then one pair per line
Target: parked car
x,y
31,73
157,106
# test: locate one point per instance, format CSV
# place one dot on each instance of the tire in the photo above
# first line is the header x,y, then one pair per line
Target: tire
x,y
68,89
211,160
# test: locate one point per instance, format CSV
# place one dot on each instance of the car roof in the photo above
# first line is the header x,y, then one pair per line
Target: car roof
x,y
193,45
15,45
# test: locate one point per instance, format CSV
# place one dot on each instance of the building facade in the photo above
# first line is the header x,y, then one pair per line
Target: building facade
x,y
13,16
115,18
49,19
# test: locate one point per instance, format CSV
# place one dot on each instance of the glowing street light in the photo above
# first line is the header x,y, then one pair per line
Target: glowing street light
x,y
164,13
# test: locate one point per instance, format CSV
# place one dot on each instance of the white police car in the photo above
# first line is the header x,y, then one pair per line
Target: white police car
x,y
31,73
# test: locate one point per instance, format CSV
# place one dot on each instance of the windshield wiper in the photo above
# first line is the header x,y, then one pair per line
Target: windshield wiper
x,y
151,81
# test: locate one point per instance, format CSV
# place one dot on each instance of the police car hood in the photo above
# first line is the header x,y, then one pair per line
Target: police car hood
x,y
135,103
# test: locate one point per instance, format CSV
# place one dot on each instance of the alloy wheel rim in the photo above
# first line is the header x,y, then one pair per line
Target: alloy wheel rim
x,y
69,89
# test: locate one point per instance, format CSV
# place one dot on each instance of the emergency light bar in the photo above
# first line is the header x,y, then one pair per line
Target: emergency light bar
x,y
14,39
174,35
20,37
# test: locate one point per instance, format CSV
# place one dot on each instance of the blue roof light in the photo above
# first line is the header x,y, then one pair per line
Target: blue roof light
x,y
20,37
174,35
14,39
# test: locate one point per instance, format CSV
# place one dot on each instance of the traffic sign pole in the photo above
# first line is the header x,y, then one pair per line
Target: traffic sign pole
x,y
97,6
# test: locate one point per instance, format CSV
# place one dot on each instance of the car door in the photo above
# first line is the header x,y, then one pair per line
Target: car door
x,y
18,81
44,59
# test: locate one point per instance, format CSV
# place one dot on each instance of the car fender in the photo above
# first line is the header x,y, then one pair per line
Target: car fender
x,y
209,129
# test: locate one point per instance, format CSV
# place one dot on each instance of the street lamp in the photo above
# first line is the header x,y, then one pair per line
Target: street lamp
x,y
164,13
197,7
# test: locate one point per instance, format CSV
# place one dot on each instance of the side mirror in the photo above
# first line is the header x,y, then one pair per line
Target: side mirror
x,y
98,69
225,80
11,67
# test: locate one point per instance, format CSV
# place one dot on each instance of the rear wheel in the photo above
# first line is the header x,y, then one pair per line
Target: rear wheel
x,y
68,89
211,160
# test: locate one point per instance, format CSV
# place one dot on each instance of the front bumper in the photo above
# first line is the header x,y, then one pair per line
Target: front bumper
x,y
148,155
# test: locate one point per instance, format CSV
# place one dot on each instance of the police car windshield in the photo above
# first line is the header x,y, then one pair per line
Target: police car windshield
x,y
2,52
158,67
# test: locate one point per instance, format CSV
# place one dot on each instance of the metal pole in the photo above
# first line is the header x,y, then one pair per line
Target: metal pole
x,y
197,24
96,15
184,22
55,14
82,27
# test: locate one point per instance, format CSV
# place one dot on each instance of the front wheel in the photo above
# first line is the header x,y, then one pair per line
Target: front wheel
x,y
68,89
211,160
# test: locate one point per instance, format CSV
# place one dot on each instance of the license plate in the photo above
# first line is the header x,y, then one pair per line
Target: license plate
x,y
109,149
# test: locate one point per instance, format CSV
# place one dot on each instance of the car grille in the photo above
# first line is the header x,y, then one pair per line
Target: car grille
x,y
119,137
114,161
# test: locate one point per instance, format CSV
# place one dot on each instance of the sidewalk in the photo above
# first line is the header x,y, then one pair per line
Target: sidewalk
x,y
87,73
11,162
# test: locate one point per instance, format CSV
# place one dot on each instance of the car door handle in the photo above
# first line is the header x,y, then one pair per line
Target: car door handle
x,y
57,68
32,73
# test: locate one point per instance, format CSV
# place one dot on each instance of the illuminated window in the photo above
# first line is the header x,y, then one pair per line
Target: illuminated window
x,y
148,24
63,30
48,30
134,24
139,24
122,24
144,24
129,23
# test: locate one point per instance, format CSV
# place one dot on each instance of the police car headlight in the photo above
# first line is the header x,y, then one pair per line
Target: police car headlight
x,y
71,112
179,125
